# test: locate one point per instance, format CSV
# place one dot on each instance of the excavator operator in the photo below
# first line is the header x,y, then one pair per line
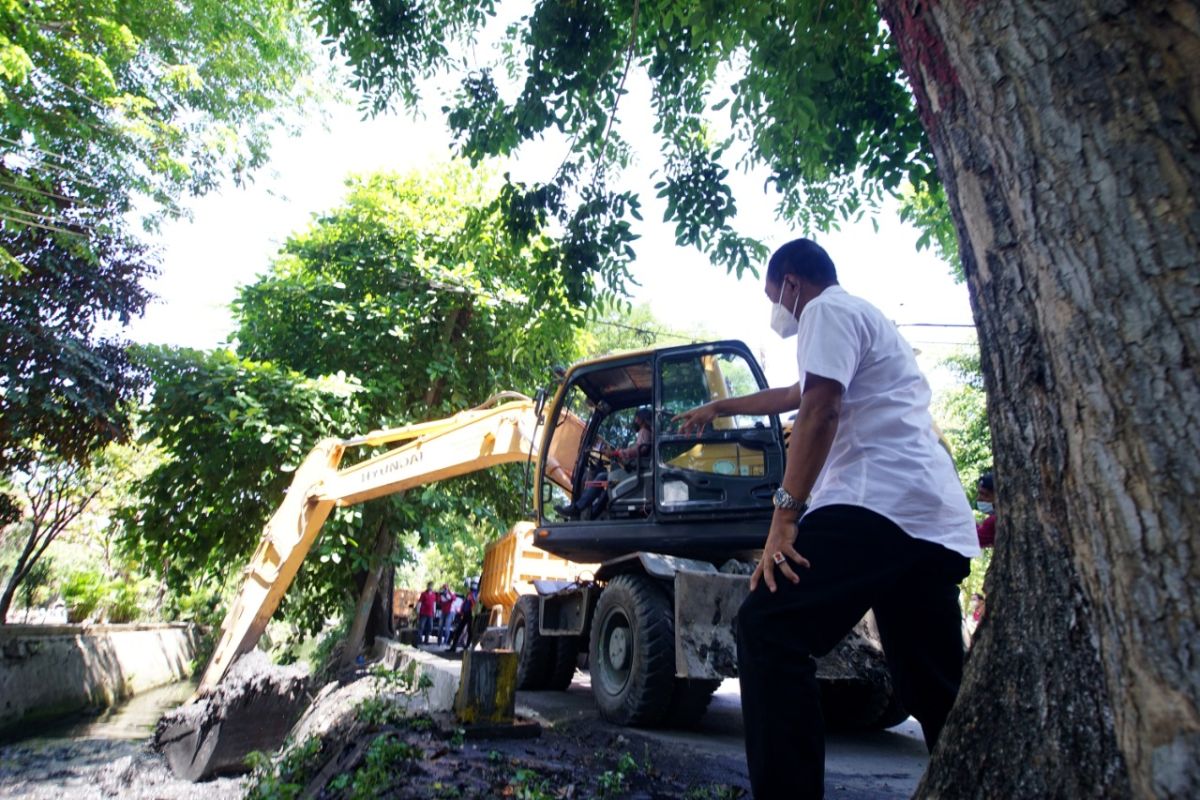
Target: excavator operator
x,y
593,498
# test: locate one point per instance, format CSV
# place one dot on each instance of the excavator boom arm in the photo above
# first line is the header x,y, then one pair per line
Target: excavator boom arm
x,y
430,451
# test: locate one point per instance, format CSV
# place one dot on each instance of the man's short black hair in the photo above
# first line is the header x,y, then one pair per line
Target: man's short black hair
x,y
805,259
986,482
644,413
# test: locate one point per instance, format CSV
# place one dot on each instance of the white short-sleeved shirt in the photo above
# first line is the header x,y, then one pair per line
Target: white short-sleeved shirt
x,y
885,456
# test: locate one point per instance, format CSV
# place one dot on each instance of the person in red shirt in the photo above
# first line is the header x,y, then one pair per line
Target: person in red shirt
x,y
986,503
445,601
426,606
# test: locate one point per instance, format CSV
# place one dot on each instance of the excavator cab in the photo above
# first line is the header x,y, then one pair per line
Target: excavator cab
x,y
692,494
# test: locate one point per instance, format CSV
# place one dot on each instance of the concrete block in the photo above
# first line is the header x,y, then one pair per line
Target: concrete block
x,y
442,675
487,691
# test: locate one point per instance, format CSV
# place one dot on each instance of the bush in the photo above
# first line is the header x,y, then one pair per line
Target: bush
x,y
121,600
83,591
202,603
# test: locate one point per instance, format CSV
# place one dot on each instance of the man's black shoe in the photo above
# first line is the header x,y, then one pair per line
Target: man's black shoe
x,y
566,511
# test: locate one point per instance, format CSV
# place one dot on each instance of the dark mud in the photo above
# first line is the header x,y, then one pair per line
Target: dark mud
x,y
423,758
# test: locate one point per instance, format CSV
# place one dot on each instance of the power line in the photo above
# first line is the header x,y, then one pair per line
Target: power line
x,y
90,100
19,221
645,331
48,153
945,344
42,216
935,325
44,193
70,175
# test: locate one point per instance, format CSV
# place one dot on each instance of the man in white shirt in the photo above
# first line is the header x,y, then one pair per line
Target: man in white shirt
x,y
887,526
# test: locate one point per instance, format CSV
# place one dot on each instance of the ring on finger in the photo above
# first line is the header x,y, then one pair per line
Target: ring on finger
x,y
778,558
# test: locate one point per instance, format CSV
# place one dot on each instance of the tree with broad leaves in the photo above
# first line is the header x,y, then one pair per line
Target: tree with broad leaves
x,y
1058,140
110,112
405,303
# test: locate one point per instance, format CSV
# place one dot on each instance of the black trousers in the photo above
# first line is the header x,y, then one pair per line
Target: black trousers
x,y
860,560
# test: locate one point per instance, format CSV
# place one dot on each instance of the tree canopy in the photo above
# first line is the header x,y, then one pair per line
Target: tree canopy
x,y
405,303
110,113
830,122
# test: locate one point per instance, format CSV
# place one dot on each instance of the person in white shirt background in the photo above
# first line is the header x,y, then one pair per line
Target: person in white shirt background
x,y
887,526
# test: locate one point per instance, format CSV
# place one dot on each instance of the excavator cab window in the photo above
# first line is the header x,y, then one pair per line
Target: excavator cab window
x,y
734,464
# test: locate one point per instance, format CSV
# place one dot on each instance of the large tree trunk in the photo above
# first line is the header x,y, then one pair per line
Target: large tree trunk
x,y
1066,134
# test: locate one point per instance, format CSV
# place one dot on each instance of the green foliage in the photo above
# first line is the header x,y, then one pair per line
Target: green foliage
x,y
962,414
83,592
200,602
234,430
456,560
379,711
144,98
10,508
283,779
809,90
527,784
619,327
406,303
715,792
108,110
53,494
612,783
63,389
927,210
413,286
123,599
386,761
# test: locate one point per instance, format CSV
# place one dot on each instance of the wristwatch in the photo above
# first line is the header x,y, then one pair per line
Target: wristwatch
x,y
783,499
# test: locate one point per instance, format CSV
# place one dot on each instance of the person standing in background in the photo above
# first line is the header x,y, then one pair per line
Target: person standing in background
x,y
426,608
986,503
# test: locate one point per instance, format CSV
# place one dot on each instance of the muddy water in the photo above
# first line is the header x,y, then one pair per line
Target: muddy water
x,y
103,757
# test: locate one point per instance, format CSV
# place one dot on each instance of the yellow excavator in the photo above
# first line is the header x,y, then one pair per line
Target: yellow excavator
x,y
665,538
499,431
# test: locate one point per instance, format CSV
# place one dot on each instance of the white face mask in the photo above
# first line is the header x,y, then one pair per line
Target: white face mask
x,y
984,506
784,322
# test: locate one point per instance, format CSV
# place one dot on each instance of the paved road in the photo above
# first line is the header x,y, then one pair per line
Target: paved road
x,y
880,764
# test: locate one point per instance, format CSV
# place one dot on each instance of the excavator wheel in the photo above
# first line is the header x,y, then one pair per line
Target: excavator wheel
x,y
632,652
566,656
535,653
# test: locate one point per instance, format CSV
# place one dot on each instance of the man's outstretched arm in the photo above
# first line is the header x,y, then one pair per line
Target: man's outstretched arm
x,y
768,401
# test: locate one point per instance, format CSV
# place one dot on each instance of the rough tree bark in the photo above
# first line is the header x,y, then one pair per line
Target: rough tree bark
x,y
1066,133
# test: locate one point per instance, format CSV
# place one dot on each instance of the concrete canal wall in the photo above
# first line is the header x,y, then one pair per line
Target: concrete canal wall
x,y
53,670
